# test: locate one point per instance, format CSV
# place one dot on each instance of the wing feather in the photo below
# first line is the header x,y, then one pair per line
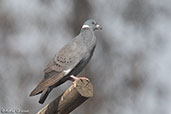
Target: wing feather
x,y
67,58
46,83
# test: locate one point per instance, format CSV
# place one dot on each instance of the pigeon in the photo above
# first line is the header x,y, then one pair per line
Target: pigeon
x,y
68,61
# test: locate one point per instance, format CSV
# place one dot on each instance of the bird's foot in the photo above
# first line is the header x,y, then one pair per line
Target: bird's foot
x,y
73,78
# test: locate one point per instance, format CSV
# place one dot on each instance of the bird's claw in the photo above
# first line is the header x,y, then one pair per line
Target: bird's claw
x,y
77,78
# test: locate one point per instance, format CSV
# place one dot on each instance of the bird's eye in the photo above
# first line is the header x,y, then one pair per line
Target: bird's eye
x,y
93,23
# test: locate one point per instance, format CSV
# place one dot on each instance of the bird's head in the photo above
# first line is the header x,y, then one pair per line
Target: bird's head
x,y
91,24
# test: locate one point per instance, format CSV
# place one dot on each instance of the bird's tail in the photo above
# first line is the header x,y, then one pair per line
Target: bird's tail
x,y
44,95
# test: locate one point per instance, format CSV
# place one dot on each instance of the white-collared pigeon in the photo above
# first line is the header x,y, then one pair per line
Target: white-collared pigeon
x,y
69,61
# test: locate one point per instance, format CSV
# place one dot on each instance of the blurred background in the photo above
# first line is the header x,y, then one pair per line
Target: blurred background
x,y
131,66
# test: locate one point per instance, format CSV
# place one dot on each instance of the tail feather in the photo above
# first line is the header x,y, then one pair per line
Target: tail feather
x,y
45,83
44,95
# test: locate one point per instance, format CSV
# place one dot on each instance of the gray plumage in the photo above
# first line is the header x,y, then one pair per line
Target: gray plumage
x,y
70,60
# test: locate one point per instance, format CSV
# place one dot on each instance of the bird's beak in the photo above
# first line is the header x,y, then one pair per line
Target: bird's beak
x,y
98,27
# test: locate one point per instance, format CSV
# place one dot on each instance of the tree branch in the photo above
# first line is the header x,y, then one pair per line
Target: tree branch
x,y
74,96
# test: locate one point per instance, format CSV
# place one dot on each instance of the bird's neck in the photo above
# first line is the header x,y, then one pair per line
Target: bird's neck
x,y
87,31
88,37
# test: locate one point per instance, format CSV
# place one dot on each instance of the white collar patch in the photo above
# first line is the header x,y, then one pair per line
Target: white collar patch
x,y
85,26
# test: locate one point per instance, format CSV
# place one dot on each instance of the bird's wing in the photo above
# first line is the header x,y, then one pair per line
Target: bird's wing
x,y
62,64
